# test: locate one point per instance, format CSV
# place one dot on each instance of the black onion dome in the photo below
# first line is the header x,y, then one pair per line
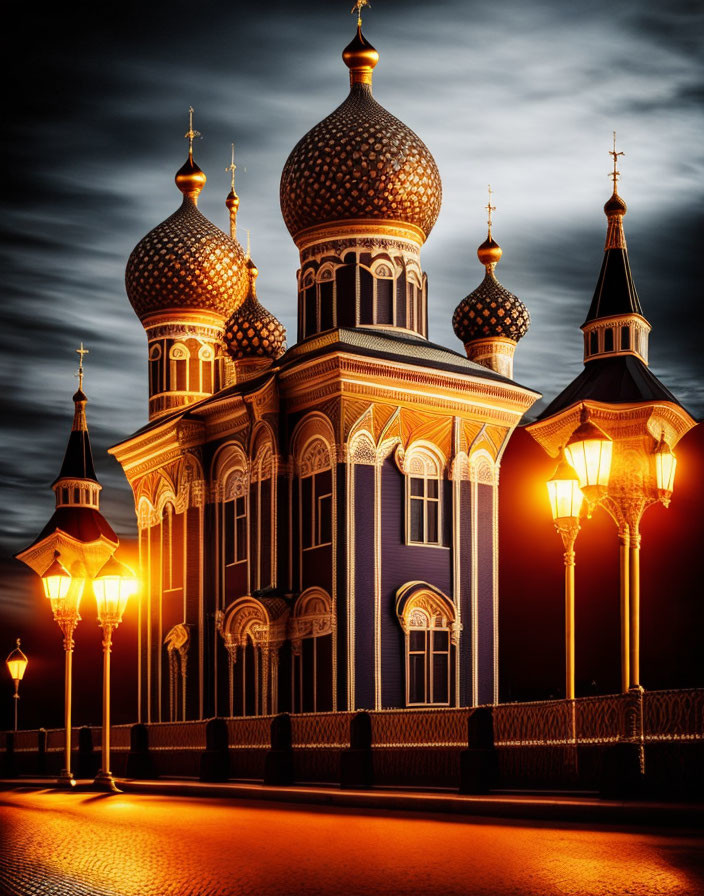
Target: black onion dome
x,y
252,331
186,262
360,162
490,312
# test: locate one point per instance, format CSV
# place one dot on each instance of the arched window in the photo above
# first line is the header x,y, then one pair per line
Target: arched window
x,y
428,620
156,369
310,632
326,292
206,358
235,519
178,367
310,323
253,631
384,282
262,518
316,495
177,642
423,497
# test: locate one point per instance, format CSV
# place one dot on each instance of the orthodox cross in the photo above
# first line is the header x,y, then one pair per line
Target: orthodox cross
x,y
615,174
357,8
190,133
81,352
232,168
490,208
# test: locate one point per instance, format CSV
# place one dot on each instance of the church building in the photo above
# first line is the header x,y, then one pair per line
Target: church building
x,y
318,525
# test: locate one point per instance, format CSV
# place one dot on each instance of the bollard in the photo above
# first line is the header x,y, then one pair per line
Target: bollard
x,y
356,763
41,752
87,762
478,763
139,760
278,767
9,769
215,761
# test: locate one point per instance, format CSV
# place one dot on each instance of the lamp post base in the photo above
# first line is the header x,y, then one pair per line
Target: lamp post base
x,y
66,779
105,782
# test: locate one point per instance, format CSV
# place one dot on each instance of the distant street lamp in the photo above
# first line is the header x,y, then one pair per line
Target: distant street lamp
x,y
64,591
665,466
566,498
17,664
113,586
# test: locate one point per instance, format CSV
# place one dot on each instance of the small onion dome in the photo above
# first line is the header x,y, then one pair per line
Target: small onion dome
x,y
490,311
186,262
615,205
489,252
233,201
360,162
252,331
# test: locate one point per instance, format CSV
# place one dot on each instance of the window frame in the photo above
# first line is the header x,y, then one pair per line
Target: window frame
x,y
431,628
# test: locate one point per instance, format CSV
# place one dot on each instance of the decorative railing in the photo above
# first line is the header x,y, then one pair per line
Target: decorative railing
x,y
648,717
673,715
316,730
249,732
420,728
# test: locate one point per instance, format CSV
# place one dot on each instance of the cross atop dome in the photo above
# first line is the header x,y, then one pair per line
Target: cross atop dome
x,y
81,352
357,8
190,133
615,174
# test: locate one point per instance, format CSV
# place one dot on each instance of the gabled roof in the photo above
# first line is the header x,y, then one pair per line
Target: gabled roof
x,y
85,524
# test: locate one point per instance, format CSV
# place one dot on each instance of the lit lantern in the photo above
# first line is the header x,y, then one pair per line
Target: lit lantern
x,y
665,465
589,451
16,663
56,579
113,586
565,495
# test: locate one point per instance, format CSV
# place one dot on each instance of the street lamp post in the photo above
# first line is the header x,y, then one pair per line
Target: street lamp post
x,y
566,498
64,592
113,586
16,664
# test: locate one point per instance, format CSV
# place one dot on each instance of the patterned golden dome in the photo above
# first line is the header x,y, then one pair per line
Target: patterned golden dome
x,y
252,331
186,261
360,162
490,311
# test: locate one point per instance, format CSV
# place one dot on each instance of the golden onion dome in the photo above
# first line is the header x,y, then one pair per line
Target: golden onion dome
x,y
491,311
615,205
252,331
186,262
360,162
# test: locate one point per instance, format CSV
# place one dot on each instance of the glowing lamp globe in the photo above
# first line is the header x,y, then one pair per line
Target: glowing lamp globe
x,y
566,497
589,451
113,586
665,466
56,579
17,663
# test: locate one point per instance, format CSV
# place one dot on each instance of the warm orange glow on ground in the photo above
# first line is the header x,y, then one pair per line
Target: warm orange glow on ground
x,y
158,846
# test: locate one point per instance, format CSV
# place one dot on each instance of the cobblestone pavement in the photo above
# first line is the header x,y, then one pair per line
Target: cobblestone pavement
x,y
71,844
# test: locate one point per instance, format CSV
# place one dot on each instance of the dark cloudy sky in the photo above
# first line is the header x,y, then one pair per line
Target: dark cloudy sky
x,y
520,94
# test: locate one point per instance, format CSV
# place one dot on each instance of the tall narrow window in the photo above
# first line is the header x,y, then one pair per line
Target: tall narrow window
x,y
206,357
609,339
316,492
178,362
423,499
428,659
235,530
156,376
263,519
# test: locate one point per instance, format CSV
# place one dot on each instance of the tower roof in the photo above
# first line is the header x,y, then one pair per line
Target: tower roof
x,y
490,311
78,459
615,291
186,262
253,331
360,162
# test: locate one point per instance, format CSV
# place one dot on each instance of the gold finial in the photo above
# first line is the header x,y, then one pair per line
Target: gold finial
x,y
490,208
81,352
615,174
190,133
232,168
18,642
490,252
357,8
249,254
